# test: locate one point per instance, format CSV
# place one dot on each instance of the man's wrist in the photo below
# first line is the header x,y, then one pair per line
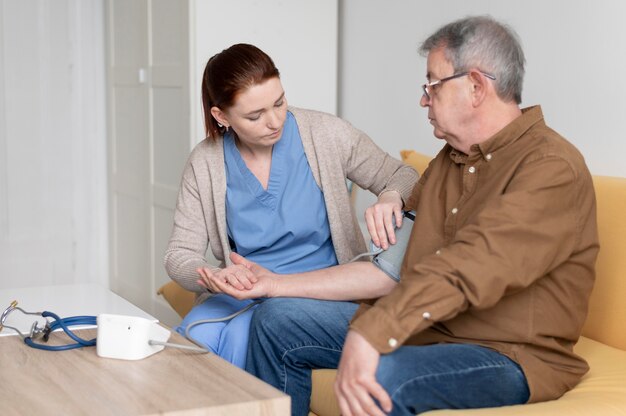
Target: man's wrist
x,y
274,289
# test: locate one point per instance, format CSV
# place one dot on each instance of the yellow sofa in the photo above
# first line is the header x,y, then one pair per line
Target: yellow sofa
x,y
602,390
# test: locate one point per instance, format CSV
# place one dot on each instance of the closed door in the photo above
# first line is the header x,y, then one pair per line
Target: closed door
x,y
148,140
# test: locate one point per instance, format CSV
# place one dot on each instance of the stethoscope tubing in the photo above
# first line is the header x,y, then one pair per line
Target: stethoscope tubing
x,y
64,324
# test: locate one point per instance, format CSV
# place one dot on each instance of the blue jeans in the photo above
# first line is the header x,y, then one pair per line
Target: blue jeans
x,y
290,336
229,339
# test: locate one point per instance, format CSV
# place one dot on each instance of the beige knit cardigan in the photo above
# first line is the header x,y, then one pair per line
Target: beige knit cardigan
x,y
335,151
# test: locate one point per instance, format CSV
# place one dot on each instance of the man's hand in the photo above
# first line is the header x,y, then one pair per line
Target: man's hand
x,y
356,386
379,218
264,280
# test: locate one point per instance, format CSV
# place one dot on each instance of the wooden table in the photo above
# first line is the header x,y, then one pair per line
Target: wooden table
x,y
170,382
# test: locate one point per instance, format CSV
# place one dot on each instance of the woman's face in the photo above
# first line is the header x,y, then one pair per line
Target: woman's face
x,y
258,114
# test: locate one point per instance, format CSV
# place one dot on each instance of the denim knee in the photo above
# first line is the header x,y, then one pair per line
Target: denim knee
x,y
272,314
272,330
300,321
449,376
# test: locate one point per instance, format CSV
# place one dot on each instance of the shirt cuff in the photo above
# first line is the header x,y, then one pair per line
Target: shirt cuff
x,y
382,331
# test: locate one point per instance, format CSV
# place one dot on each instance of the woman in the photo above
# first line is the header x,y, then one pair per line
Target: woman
x,y
269,183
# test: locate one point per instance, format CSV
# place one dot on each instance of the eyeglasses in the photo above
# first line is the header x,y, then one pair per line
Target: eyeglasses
x,y
430,88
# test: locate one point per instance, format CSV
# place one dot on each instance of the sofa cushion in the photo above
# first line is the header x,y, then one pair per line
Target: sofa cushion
x,y
418,161
602,391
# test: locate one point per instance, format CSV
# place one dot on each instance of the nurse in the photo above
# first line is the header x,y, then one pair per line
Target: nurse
x,y
269,183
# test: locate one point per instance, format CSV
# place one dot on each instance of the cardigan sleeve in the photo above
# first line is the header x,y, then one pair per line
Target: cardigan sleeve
x,y
189,239
373,169
340,148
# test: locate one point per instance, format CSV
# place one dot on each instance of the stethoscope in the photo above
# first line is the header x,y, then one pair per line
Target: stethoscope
x,y
43,333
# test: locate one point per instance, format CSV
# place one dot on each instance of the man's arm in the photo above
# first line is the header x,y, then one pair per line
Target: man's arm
x,y
351,281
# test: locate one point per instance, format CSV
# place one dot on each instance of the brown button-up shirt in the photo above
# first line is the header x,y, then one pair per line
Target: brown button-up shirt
x,y
502,255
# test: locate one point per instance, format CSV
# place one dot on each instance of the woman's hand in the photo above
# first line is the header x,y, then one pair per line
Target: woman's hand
x,y
237,276
380,216
263,286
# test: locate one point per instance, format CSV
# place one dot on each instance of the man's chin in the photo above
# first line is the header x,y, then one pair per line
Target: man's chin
x,y
438,134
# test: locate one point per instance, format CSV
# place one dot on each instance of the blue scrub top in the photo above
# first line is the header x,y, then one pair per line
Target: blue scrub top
x,y
284,228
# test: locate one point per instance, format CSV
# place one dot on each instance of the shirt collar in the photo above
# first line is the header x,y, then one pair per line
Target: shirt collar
x,y
509,134
530,116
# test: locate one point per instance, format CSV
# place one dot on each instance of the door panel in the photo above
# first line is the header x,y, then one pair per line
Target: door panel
x,y
129,150
149,141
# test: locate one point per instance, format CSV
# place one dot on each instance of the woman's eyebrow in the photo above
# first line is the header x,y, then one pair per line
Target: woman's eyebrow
x,y
253,112
280,98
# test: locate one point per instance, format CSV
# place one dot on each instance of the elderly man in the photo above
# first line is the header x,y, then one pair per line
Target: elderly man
x,y
497,274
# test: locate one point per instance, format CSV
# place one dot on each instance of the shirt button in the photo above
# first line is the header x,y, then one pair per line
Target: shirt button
x,y
438,252
426,315
455,210
392,342
472,169
488,156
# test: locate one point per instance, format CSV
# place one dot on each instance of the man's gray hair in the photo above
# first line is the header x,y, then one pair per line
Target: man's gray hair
x,y
482,43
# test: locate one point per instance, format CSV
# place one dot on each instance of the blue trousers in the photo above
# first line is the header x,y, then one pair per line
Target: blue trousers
x,y
289,337
229,339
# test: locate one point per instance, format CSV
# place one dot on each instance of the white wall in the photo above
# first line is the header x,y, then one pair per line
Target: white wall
x,y
52,134
52,143
576,69
299,35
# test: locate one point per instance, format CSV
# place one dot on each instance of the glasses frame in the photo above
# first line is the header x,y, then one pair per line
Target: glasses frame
x,y
431,84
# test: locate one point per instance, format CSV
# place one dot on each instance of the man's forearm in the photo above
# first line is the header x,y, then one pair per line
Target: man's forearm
x,y
351,281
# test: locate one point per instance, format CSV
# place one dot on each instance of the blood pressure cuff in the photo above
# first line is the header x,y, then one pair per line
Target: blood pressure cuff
x,y
390,260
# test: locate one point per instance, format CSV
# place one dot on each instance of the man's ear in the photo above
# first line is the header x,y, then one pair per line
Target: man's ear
x,y
479,87
219,116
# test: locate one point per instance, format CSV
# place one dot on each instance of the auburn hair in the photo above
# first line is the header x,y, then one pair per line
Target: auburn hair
x,y
227,74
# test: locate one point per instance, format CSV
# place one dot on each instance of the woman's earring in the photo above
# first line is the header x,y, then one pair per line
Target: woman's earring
x,y
220,125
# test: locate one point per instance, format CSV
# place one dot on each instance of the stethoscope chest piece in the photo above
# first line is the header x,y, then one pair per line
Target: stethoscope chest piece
x,y
42,333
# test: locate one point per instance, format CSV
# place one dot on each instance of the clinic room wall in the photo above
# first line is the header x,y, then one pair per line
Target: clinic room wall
x,y
52,143
576,66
